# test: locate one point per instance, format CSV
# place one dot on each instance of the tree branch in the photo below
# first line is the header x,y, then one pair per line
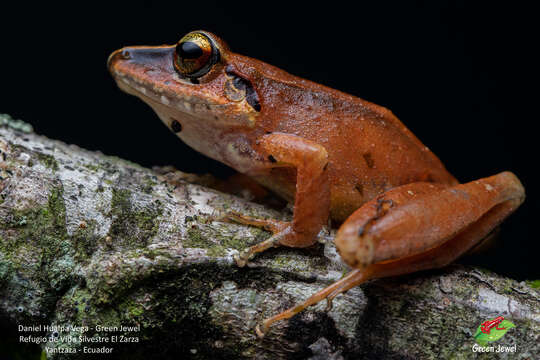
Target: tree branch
x,y
91,240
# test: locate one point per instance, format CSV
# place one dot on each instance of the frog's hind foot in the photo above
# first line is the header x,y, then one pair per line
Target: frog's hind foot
x,y
354,278
278,228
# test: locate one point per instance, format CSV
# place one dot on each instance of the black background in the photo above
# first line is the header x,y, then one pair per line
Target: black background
x,y
457,73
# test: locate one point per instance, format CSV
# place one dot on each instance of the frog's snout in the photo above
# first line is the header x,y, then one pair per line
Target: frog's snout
x,y
113,57
141,56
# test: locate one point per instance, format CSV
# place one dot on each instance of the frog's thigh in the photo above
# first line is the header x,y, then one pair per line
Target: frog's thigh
x,y
444,222
424,226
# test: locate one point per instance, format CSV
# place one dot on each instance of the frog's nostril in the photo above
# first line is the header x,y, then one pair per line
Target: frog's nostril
x,y
120,54
124,54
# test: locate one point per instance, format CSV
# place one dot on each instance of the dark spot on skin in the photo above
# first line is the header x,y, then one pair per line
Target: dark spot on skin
x,y
176,126
194,81
360,188
267,132
253,99
272,159
383,205
369,160
4,156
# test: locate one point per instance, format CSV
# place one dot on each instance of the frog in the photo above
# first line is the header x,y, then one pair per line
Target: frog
x,y
333,156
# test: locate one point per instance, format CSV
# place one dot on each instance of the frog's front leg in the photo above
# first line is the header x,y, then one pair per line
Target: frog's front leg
x,y
312,199
416,227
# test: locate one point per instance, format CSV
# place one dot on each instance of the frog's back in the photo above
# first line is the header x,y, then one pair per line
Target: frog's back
x,y
370,150
376,153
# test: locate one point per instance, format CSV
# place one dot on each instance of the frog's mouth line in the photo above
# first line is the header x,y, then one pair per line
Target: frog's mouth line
x,y
224,114
186,105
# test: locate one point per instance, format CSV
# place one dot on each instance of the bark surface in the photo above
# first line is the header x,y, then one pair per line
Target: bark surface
x,y
90,241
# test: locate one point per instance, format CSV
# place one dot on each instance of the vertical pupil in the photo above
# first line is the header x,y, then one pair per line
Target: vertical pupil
x,y
189,50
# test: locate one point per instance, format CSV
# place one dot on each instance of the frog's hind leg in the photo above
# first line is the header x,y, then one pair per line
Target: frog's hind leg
x,y
354,278
312,198
414,218
370,239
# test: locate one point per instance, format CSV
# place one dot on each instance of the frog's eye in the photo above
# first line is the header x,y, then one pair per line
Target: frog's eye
x,y
195,55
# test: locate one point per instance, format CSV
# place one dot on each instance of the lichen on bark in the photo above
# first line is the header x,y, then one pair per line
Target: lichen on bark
x,y
93,240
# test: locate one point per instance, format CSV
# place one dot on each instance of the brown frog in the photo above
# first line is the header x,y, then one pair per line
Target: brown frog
x,y
330,154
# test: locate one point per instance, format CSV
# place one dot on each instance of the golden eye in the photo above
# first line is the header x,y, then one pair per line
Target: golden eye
x,y
195,55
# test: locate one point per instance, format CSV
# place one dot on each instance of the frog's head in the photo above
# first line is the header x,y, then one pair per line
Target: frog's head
x,y
191,83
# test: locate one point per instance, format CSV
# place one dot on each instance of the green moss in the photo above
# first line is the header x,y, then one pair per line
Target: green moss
x,y
45,226
91,167
136,311
5,268
241,242
177,309
507,286
535,284
85,241
37,250
56,206
130,224
215,243
216,251
132,308
48,160
196,240
149,184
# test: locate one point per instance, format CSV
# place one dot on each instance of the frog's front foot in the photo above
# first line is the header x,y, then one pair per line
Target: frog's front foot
x,y
242,257
280,230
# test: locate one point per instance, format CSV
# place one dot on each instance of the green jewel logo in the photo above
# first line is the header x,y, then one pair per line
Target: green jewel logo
x,y
492,330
